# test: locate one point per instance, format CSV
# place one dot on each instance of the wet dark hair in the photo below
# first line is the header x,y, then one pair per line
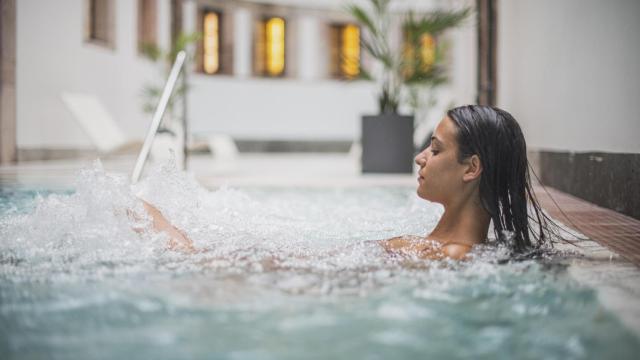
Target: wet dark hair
x,y
505,185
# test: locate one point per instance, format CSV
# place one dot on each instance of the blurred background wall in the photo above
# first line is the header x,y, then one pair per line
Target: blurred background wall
x,y
54,56
570,72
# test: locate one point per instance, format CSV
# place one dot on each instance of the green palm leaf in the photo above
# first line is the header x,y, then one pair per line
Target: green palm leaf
x,y
405,69
362,17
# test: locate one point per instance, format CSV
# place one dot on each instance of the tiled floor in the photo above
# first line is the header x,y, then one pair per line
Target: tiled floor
x,y
619,233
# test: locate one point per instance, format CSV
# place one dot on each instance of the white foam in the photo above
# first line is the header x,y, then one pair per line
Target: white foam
x,y
250,231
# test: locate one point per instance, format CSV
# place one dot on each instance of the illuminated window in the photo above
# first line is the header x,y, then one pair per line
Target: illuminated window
x,y
214,51
147,15
99,23
421,60
427,51
211,42
345,51
269,48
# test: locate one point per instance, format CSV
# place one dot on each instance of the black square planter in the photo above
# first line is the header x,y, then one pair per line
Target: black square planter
x,y
387,144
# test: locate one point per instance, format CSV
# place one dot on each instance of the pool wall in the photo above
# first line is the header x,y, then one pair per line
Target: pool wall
x,y
606,179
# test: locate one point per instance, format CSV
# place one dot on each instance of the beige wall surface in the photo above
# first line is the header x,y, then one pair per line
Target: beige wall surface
x,y
569,71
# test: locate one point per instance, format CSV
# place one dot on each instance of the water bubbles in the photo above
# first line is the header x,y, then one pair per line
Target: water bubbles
x,y
314,240
272,264
89,228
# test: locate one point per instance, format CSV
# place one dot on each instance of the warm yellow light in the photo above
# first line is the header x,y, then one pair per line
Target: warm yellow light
x,y
211,46
427,50
275,46
350,64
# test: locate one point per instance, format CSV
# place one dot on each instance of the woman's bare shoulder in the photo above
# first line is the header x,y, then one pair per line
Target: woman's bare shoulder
x,y
456,251
424,248
400,242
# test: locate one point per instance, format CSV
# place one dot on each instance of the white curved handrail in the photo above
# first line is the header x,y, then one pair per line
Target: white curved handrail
x,y
158,115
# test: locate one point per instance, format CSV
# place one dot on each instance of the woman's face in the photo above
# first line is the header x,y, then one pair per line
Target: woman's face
x,y
440,174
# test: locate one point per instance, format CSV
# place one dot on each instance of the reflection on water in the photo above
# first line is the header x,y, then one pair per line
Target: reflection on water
x,y
283,274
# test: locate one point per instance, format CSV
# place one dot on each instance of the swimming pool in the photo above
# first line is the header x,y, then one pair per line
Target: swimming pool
x,y
286,276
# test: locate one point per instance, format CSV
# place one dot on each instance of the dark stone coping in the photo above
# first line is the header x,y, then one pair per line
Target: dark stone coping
x,y
283,146
610,180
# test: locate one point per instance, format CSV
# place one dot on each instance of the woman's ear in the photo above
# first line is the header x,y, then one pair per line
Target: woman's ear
x,y
473,170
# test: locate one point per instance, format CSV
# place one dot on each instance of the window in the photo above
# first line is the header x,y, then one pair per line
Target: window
x,y
99,24
421,59
147,15
427,51
211,42
214,52
345,50
269,47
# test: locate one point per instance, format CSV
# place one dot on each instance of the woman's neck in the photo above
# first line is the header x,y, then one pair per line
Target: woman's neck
x,y
464,223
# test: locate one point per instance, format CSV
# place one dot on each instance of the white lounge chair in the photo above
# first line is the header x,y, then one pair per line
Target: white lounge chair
x,y
96,122
222,146
105,133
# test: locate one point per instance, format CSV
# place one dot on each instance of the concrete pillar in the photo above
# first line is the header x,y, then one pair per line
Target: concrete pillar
x,y
308,47
243,37
8,151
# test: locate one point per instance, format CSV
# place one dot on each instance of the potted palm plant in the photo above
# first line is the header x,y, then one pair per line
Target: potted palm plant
x,y
415,64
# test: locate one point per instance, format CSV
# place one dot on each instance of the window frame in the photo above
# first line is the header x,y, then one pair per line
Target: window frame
x,y
147,32
90,36
335,51
200,52
262,21
419,52
225,44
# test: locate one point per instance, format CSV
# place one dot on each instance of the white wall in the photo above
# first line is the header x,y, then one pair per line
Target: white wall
x,y
464,58
569,71
421,5
304,105
280,109
52,58
309,106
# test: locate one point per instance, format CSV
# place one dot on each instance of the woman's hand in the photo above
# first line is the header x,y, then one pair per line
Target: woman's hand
x,y
423,248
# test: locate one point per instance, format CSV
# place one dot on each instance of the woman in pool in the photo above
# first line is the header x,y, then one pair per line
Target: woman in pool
x,y
476,167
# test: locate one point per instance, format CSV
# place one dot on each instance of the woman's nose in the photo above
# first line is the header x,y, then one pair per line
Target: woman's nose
x,y
422,157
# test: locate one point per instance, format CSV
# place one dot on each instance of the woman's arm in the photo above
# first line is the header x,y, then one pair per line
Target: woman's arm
x,y
411,245
177,239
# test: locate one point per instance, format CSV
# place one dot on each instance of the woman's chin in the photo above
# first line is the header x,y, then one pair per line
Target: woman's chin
x,y
421,193
425,194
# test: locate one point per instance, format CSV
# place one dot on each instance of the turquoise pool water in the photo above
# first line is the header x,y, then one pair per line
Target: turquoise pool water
x,y
286,275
